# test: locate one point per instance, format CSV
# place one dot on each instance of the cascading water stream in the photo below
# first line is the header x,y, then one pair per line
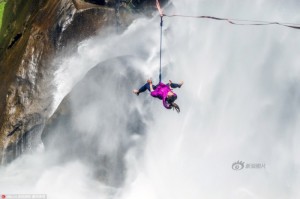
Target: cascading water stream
x,y
240,102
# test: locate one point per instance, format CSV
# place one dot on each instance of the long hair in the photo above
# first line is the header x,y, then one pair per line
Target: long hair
x,y
175,106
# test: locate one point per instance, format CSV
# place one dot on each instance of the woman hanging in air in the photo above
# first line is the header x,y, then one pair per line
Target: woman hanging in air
x,y
163,92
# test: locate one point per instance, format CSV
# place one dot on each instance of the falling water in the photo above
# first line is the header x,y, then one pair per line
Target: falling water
x,y
240,102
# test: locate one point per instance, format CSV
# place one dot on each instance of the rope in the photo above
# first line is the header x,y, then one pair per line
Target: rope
x,y
231,21
237,21
159,8
161,25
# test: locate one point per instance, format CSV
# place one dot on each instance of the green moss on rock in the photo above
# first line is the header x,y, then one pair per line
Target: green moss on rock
x,y
2,5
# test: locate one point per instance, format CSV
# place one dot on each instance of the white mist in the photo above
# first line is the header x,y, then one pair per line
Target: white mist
x,y
240,101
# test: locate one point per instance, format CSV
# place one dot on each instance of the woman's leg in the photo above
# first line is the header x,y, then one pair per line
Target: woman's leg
x,y
144,88
175,85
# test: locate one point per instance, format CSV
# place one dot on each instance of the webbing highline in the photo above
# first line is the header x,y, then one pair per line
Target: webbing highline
x,y
240,22
231,21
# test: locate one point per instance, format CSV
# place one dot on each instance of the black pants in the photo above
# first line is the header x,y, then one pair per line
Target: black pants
x,y
147,87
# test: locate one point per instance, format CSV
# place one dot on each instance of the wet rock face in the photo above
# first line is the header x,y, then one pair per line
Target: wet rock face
x,y
98,122
28,133
32,34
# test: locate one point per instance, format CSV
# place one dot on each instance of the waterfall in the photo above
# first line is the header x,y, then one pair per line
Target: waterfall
x,y
236,136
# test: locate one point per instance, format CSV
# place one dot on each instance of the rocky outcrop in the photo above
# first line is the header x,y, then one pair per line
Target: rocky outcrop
x,y
33,33
31,36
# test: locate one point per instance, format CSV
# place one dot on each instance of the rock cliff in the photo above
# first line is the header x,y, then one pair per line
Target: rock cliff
x,y
32,34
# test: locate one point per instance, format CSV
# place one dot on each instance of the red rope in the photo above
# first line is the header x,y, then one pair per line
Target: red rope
x,y
159,8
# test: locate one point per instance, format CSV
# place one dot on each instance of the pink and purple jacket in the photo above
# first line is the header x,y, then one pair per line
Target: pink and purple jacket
x,y
161,92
